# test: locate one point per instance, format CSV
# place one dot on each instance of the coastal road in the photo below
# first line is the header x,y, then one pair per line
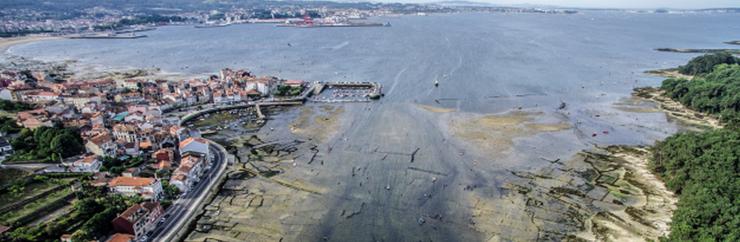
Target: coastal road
x,y
182,209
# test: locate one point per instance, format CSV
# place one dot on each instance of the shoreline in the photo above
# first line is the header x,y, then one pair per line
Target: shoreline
x,y
6,43
668,73
677,110
649,207
687,50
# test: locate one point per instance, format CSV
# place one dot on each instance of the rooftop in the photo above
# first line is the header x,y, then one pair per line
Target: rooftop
x,y
131,181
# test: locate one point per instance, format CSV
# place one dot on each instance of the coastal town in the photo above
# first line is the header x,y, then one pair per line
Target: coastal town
x,y
126,137
122,19
234,120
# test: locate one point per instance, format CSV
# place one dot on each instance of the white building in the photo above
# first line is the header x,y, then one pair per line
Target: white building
x,y
148,188
101,144
195,145
89,163
125,133
188,173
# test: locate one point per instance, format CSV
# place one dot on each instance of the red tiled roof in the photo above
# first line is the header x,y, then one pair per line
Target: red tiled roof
x,y
119,237
293,82
193,139
131,181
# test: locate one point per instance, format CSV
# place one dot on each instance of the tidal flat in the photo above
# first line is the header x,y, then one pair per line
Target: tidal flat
x,y
469,160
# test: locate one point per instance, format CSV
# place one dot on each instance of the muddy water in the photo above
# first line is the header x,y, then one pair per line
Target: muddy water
x,y
428,163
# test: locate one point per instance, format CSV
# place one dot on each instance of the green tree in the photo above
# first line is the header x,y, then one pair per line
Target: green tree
x,y
704,170
706,63
717,92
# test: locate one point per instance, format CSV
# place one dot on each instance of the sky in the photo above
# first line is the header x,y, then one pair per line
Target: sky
x,y
689,4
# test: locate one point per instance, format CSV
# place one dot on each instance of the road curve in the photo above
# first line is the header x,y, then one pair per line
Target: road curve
x,y
182,210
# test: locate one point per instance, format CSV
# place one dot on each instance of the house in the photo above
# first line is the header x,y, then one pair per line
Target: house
x,y
195,145
164,154
40,97
163,159
101,144
34,118
131,149
86,163
138,219
264,85
100,179
125,133
145,145
35,122
120,237
132,84
80,101
293,83
189,172
148,188
250,93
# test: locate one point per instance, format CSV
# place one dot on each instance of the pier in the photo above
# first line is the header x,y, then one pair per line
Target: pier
x,y
338,92
363,91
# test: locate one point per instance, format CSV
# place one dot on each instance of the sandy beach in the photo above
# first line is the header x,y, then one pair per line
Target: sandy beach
x,y
6,43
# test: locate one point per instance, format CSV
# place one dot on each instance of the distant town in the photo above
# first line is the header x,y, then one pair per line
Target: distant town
x,y
81,18
124,17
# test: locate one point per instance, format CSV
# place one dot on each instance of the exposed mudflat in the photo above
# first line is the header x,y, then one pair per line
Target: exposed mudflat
x,y
290,178
493,134
317,122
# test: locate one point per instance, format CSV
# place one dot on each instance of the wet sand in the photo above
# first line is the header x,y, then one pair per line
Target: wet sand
x,y
669,73
317,122
494,134
6,43
396,190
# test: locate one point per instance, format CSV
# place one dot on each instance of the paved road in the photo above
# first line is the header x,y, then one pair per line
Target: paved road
x,y
179,212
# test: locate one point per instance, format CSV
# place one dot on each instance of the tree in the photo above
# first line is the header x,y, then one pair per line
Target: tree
x,y
717,92
170,191
703,169
45,143
706,63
